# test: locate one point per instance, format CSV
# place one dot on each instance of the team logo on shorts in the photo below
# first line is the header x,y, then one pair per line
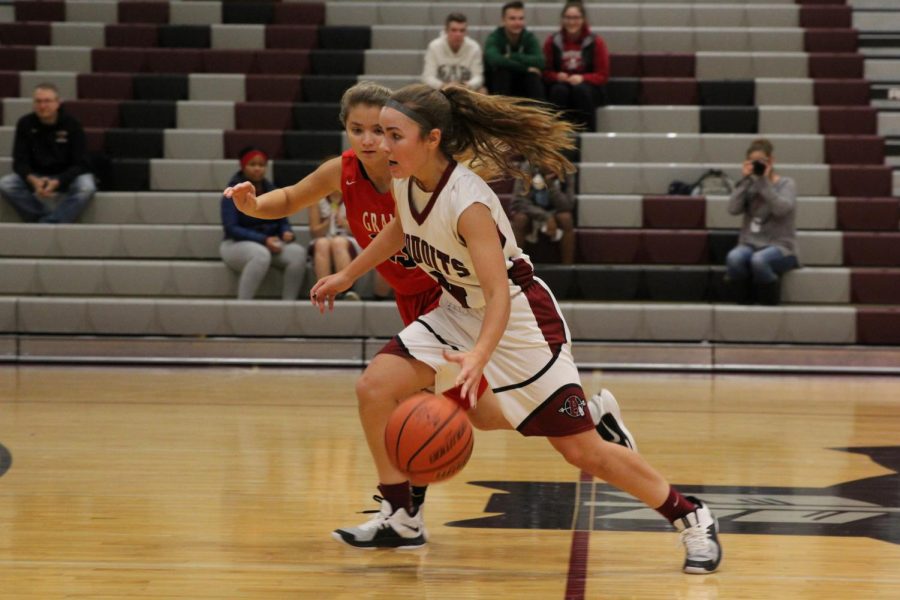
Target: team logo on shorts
x,y
574,407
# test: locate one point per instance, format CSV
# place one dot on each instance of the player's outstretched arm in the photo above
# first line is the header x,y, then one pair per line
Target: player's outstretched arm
x,y
288,200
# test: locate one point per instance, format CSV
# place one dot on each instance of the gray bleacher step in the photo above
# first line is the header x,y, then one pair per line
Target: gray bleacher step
x,y
116,241
186,350
656,322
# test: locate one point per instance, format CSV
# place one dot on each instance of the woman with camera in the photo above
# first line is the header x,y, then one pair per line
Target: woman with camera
x,y
767,244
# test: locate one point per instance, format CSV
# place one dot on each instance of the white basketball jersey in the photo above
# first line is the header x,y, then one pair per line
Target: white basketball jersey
x,y
435,244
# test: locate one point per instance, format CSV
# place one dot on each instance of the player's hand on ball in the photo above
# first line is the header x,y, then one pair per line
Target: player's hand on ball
x,y
471,366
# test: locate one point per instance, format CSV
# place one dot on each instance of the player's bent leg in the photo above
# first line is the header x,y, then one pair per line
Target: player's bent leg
x,y
628,471
388,380
619,466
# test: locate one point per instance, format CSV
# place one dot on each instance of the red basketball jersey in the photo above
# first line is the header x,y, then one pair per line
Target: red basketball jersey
x,y
368,211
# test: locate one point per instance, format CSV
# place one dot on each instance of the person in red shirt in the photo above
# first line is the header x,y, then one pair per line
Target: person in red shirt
x,y
577,67
362,177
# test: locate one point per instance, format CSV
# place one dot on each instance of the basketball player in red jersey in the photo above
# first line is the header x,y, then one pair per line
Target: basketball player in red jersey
x,y
361,175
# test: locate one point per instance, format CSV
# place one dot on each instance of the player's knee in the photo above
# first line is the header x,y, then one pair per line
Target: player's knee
x,y
370,388
363,387
572,453
584,458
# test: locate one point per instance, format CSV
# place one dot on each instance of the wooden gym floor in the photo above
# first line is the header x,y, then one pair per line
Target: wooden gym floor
x,y
225,483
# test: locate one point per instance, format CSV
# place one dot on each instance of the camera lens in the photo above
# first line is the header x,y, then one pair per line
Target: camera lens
x,y
759,167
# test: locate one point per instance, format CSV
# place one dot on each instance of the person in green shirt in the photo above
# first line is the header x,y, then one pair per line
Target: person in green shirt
x,y
513,56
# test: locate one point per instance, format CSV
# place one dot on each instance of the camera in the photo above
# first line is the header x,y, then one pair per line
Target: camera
x,y
759,167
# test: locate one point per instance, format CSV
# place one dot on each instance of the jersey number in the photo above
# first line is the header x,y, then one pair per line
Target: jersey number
x,y
456,291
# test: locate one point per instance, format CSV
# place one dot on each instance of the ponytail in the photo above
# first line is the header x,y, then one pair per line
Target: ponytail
x,y
490,130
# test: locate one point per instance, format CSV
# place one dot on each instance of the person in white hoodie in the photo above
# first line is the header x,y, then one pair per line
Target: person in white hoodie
x,y
454,58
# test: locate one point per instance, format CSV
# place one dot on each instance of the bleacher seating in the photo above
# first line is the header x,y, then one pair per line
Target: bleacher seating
x,y
170,90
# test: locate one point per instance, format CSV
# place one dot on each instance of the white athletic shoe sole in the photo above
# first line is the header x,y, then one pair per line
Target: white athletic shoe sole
x,y
608,419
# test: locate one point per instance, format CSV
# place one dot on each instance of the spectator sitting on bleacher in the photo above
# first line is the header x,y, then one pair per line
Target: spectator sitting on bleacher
x,y
767,245
333,246
577,67
544,208
454,57
49,158
251,245
513,56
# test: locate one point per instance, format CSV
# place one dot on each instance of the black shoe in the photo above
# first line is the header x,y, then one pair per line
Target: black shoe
x,y
737,290
769,294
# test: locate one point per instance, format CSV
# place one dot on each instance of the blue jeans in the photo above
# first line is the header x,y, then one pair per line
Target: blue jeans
x,y
16,191
764,265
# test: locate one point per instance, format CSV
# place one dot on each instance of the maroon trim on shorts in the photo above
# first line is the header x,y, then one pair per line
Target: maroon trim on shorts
x,y
565,412
542,304
420,218
396,347
520,273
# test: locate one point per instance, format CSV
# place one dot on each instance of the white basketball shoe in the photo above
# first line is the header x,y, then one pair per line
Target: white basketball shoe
x,y
388,528
700,536
608,420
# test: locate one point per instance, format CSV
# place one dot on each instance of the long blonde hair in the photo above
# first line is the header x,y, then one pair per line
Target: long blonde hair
x,y
491,129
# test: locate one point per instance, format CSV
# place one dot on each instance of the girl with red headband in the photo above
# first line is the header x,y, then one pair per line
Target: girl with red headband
x,y
252,245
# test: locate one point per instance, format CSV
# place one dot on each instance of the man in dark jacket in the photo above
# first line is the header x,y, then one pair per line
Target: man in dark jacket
x,y
49,158
513,57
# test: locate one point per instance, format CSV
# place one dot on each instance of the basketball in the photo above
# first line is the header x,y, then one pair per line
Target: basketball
x,y
429,438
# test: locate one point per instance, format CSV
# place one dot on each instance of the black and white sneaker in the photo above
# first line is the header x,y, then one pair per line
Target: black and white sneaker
x,y
608,420
388,528
700,536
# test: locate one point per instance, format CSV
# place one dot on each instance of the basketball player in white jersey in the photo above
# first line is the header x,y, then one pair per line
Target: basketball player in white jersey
x,y
369,205
496,321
